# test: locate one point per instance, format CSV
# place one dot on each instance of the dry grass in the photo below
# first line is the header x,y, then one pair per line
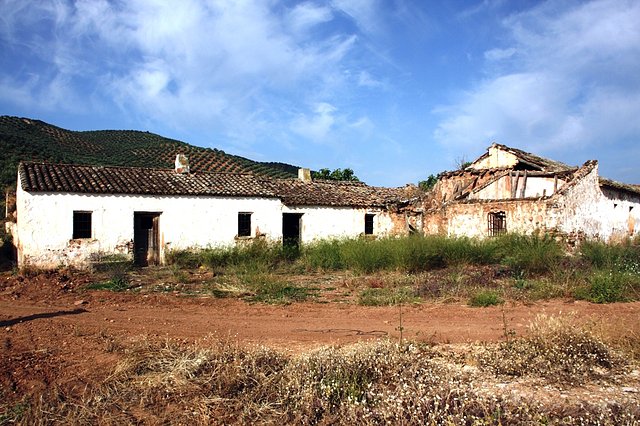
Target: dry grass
x,y
219,382
554,349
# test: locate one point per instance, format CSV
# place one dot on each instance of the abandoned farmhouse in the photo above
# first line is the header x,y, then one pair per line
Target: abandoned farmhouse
x,y
69,214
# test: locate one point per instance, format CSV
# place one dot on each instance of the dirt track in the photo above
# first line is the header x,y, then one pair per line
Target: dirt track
x,y
300,325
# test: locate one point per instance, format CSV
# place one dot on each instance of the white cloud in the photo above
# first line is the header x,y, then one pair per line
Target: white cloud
x,y
572,81
499,54
366,80
196,62
304,16
315,126
365,13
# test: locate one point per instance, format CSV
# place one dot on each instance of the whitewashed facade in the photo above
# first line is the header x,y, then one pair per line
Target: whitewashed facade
x,y
43,232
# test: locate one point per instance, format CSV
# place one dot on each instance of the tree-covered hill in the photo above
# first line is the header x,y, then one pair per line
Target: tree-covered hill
x,y
24,139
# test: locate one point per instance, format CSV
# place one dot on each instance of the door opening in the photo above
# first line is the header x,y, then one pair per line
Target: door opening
x,y
146,242
291,229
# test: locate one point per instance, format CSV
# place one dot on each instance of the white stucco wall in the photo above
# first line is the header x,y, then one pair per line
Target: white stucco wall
x,y
45,223
541,186
44,230
495,158
606,215
338,222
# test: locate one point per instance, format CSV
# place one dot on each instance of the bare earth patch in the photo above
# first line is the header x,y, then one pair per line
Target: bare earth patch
x,y
56,336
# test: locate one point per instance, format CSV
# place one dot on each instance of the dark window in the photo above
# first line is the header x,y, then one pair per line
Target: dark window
x,y
497,223
368,224
81,224
244,224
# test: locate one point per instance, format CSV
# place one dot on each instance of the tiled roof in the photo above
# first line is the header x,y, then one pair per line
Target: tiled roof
x,y
544,164
44,177
634,189
336,193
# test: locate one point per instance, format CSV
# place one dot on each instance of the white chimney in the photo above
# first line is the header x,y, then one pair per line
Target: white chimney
x,y
304,175
182,164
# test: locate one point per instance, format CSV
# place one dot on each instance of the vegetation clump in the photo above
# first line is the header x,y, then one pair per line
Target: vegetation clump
x,y
553,349
485,298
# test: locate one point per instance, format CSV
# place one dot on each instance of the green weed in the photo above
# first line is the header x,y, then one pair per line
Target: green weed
x,y
485,298
605,287
387,296
114,284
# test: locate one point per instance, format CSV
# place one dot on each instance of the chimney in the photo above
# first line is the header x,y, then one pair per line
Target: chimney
x,y
304,175
182,164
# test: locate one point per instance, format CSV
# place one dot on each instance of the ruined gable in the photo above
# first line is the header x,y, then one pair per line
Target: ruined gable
x,y
510,190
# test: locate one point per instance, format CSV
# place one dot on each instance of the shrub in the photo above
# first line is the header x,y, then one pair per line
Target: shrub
x,y
531,254
555,349
485,298
605,287
366,256
623,257
267,288
325,255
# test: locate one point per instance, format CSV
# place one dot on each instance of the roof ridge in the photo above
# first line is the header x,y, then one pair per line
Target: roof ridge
x,y
109,166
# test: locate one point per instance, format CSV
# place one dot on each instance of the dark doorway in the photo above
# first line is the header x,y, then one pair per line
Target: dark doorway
x,y
146,244
291,229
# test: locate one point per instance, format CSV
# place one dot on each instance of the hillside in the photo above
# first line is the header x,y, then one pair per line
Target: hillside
x,y
23,139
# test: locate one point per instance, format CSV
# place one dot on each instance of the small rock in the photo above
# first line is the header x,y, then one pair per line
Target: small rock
x,y
629,389
79,302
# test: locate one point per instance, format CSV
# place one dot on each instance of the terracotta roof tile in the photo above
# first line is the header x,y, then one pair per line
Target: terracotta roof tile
x,y
336,193
545,164
45,177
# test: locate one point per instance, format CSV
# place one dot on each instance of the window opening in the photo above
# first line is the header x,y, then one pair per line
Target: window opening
x,y
368,224
81,224
244,224
497,223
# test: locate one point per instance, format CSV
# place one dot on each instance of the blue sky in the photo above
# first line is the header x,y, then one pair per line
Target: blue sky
x,y
394,89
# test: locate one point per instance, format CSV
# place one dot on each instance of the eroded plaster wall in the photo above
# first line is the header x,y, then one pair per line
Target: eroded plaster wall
x,y
596,212
581,208
45,223
471,218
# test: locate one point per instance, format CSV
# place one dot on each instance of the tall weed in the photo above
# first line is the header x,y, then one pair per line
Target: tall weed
x,y
530,254
623,257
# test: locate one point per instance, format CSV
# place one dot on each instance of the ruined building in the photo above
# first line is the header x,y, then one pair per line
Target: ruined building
x,y
509,190
69,214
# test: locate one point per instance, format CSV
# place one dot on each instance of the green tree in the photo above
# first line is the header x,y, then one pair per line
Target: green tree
x,y
427,185
338,174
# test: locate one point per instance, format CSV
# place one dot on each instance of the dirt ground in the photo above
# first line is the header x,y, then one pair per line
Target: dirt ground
x,y
56,334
